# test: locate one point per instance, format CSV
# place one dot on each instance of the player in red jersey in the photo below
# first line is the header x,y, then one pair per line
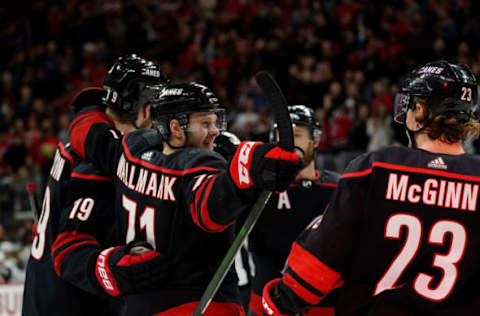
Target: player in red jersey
x,y
402,230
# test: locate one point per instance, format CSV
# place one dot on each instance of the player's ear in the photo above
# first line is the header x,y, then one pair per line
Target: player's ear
x,y
316,140
420,109
175,129
146,111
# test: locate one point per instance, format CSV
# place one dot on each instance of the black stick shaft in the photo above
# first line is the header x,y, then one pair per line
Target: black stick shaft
x,y
227,261
279,107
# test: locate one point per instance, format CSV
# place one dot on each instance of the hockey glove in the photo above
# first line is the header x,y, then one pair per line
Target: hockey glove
x,y
268,304
88,99
118,272
265,166
226,144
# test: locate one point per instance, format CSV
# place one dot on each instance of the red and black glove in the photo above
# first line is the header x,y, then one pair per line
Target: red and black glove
x,y
265,166
269,307
119,272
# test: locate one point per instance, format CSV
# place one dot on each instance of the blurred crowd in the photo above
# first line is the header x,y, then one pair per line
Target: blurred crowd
x,y
344,58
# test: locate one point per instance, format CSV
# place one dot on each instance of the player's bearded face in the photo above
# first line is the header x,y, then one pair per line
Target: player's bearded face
x,y
202,130
303,140
308,157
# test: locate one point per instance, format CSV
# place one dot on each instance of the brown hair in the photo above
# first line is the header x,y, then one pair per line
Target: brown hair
x,y
449,129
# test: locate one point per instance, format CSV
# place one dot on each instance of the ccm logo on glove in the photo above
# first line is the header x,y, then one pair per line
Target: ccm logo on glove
x,y
244,160
240,165
104,274
265,166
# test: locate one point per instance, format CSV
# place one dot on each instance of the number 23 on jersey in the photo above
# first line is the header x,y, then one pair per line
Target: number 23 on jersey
x,y
422,283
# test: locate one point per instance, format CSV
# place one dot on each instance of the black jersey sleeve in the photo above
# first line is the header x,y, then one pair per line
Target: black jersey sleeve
x,y
85,227
214,201
320,257
93,137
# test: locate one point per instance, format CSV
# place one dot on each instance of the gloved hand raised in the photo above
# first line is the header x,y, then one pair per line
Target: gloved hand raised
x,y
118,271
88,99
265,166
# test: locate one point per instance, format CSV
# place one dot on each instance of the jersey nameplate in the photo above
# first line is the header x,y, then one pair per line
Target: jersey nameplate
x,y
438,192
147,182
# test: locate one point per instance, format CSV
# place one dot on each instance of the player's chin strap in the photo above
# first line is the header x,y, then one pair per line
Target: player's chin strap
x,y
302,156
184,143
411,134
300,149
173,146
411,137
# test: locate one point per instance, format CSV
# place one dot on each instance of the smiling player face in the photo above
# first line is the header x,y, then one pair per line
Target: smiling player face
x,y
202,130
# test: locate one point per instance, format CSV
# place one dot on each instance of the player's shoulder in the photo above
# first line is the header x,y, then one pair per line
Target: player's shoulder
x,y
327,177
63,146
65,153
362,164
62,166
423,161
199,157
139,141
86,170
80,168
411,160
469,163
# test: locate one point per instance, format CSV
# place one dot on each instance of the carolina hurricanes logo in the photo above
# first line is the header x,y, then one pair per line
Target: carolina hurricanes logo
x,y
243,162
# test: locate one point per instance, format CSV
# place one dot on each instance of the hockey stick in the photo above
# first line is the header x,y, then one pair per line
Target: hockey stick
x,y
279,107
32,198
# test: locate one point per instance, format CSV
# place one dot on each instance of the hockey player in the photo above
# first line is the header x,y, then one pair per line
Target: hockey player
x,y
58,285
181,196
289,212
402,230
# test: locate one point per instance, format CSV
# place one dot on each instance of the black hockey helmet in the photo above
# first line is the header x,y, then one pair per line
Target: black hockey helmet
x,y
301,115
448,88
178,101
132,82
